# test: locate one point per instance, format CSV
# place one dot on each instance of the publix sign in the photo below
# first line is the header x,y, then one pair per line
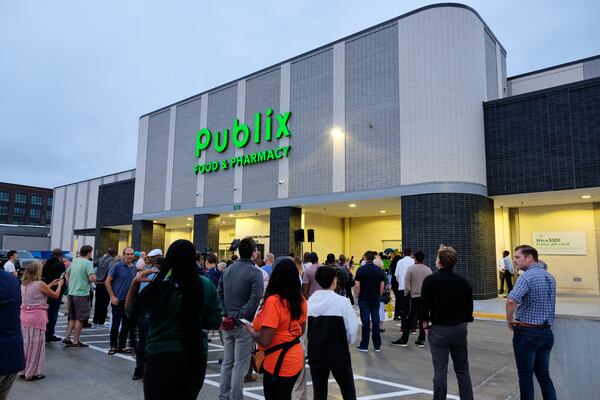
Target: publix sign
x,y
239,136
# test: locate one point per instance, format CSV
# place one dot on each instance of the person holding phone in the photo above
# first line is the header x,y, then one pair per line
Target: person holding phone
x,y
277,329
35,294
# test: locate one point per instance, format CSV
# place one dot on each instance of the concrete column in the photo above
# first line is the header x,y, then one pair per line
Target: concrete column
x,y
206,232
463,221
141,235
284,221
105,238
146,235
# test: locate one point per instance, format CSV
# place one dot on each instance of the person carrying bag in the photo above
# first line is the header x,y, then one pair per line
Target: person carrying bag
x,y
277,329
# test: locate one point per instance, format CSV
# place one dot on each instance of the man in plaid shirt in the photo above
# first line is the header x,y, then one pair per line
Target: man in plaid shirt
x,y
530,315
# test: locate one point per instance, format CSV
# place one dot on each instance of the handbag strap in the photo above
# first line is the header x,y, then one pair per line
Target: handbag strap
x,y
284,347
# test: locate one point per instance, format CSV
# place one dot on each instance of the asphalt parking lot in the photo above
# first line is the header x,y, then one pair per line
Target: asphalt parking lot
x,y
395,373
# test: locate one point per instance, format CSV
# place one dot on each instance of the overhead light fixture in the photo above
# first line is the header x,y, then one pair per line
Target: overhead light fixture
x,y
351,205
223,222
231,215
585,196
189,219
156,222
187,224
382,211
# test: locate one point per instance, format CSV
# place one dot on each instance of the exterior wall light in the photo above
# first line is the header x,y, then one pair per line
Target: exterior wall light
x,y
337,133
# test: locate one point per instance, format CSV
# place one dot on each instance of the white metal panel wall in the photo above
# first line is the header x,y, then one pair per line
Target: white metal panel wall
x,y
56,224
81,205
140,171
93,204
67,229
442,86
547,79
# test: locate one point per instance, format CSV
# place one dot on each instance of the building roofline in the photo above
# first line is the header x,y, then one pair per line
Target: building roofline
x,y
526,95
537,71
93,179
25,186
300,56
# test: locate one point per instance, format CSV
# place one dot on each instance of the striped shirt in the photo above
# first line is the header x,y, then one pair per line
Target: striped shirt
x,y
535,294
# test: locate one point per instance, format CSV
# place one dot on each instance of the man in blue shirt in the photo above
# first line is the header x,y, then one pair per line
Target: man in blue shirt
x,y
369,288
12,357
118,282
268,267
530,314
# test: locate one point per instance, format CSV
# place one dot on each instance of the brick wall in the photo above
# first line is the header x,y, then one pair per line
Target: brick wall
x,y
463,221
544,141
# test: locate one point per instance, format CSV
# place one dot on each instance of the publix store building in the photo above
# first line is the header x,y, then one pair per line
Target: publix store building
x,y
407,134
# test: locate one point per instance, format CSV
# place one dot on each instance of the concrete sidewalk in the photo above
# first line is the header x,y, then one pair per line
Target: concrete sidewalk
x,y
581,306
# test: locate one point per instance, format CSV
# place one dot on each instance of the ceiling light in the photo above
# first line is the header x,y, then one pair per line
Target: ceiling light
x,y
585,197
231,215
351,205
189,219
223,222
382,211
155,222
187,224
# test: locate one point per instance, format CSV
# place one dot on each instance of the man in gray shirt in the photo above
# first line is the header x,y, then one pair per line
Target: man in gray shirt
x,y
102,265
240,289
413,282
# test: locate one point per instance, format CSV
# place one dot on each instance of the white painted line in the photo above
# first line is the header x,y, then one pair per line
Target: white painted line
x,y
101,350
99,341
215,345
398,385
99,334
246,393
387,395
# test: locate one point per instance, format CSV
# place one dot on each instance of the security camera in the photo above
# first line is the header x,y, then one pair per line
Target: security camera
x,y
281,182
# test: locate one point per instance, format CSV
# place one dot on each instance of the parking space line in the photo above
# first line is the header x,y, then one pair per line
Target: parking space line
x,y
250,392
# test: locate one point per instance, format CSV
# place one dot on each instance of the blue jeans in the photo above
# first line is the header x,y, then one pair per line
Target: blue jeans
x,y
369,314
53,308
532,348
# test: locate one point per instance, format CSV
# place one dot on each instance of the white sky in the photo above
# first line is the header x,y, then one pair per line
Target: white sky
x,y
75,76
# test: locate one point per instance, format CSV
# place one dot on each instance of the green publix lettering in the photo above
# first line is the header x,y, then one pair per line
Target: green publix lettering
x,y
241,133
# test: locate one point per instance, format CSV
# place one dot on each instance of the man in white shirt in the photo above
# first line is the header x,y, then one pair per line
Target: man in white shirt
x,y
9,266
401,269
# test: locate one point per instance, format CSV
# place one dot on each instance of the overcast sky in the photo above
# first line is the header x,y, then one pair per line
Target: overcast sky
x,y
76,76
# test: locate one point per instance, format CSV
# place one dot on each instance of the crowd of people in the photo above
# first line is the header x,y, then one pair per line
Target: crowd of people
x,y
273,316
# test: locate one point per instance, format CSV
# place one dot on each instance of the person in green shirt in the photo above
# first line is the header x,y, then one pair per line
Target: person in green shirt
x,y
79,276
181,305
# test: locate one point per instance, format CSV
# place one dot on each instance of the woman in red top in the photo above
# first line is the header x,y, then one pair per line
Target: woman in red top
x,y
280,322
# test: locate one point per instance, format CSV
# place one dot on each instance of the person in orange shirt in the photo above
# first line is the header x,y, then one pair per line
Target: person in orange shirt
x,y
277,329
